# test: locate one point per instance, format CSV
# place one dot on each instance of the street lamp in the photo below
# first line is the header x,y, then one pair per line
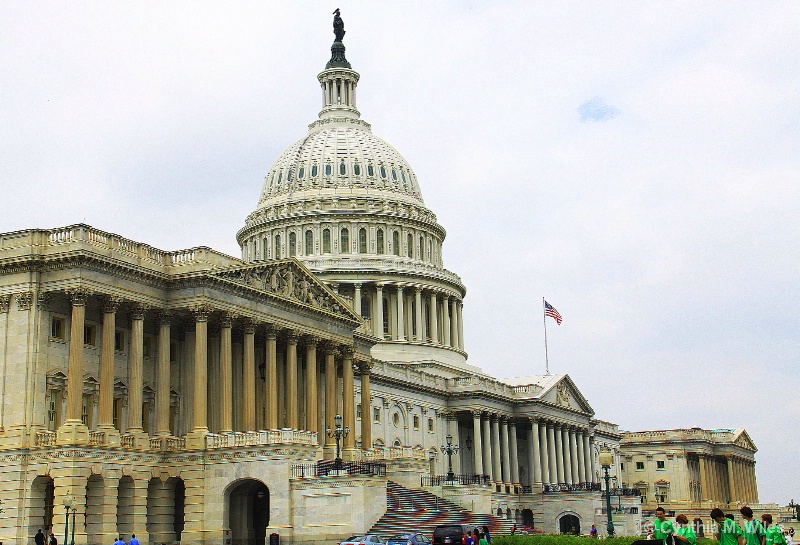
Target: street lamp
x,y
338,433
69,501
450,449
606,459
796,507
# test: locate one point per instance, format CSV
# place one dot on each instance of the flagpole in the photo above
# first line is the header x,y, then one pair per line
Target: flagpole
x,y
544,320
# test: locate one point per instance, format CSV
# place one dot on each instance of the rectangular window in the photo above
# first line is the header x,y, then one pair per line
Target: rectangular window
x,y
54,410
119,341
416,422
660,464
639,466
58,328
86,410
146,417
90,335
117,412
430,425
622,466
376,415
173,351
358,411
147,347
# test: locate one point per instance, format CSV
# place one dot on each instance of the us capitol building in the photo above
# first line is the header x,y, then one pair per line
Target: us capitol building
x,y
184,396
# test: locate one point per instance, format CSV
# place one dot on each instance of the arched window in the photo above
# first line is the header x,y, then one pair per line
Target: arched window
x,y
328,169
410,249
370,170
383,172
326,241
366,307
357,169
394,175
314,170
413,318
362,241
309,242
430,252
342,168
279,177
292,244
301,173
344,241
265,247
379,240
385,316
421,248
396,242
277,248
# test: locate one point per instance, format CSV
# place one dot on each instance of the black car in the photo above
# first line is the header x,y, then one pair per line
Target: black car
x,y
408,538
451,534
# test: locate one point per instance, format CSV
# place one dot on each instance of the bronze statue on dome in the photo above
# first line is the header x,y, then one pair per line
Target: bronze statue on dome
x,y
338,25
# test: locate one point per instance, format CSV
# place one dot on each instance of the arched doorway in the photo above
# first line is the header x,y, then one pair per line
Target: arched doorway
x,y
569,524
527,518
125,495
40,513
165,509
94,509
247,512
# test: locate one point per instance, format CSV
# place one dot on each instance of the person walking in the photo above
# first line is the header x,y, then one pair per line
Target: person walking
x,y
133,540
119,541
728,531
685,533
53,540
753,531
39,537
772,533
487,535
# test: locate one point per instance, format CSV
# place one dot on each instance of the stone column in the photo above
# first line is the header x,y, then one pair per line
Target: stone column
x,y
73,431
512,435
731,478
454,341
105,419
460,325
559,454
581,457
566,455
226,375
573,456
592,466
543,451
378,318
357,298
249,377
292,420
505,462
271,363
135,365
551,454
477,444
311,384
452,422
754,483
703,478
534,454
162,373
348,403
587,458
488,466
496,460
400,320
330,399
366,406
196,439
434,319
420,336
446,320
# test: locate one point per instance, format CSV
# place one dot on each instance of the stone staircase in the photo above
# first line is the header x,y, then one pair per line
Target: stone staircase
x,y
420,511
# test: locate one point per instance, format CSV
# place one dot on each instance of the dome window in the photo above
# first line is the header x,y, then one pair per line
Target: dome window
x,y
314,170
410,249
301,173
396,242
309,242
328,169
344,241
403,174
289,176
370,170
342,168
421,248
277,252
379,240
366,305
362,241
326,241
292,244
394,175
357,169
278,182
383,172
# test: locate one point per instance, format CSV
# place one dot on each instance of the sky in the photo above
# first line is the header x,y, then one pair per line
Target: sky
x,y
636,163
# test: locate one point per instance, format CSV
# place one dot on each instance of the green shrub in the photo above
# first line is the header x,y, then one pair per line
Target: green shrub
x,y
547,539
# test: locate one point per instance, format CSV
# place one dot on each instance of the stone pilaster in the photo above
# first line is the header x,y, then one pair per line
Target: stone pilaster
x,y
292,401
196,439
514,455
505,458
435,320
329,451
226,375
105,420
366,406
477,443
249,377
162,373
271,363
348,403
74,431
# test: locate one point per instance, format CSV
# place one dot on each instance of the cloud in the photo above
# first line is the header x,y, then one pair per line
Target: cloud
x,y
596,109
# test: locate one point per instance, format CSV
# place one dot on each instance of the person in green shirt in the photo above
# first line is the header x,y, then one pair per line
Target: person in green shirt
x,y
772,534
483,540
661,526
685,533
728,531
754,533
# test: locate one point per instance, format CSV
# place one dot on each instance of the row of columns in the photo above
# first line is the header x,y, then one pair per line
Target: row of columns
x,y
733,480
200,411
557,453
440,307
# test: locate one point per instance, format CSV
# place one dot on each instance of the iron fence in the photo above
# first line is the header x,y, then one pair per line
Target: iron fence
x,y
576,487
325,468
440,480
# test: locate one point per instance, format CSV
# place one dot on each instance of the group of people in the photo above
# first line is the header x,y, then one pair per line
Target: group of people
x,y
727,531
40,538
480,536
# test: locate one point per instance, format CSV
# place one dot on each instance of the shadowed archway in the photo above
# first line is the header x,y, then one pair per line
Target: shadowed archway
x,y
247,512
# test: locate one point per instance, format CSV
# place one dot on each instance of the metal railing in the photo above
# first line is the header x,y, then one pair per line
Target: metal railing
x,y
577,487
623,492
441,480
325,468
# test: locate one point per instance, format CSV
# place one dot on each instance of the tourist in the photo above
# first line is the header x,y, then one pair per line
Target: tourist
x,y
685,532
513,529
476,536
470,540
39,537
772,533
53,540
133,540
753,530
119,541
728,531
593,531
662,527
787,535
487,534
483,540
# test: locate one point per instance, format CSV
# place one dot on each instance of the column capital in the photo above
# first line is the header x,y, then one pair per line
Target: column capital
x,y
271,332
534,419
108,303
418,289
42,301
512,423
5,303
201,312
292,337
364,367
475,413
137,311
164,317
78,295
227,319
329,348
311,340
357,285
347,351
249,326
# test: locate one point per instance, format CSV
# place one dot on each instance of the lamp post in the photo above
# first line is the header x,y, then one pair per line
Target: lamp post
x,y
796,507
338,433
449,448
74,512
606,459
68,502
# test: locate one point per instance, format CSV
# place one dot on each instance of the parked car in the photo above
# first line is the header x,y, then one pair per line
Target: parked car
x,y
408,538
364,539
451,534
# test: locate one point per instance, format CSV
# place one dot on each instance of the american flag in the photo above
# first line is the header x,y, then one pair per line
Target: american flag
x,y
549,310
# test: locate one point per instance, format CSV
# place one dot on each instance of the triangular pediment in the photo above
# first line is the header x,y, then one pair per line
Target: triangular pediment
x,y
290,280
564,393
743,440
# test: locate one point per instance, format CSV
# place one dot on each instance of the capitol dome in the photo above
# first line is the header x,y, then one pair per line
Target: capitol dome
x,y
348,206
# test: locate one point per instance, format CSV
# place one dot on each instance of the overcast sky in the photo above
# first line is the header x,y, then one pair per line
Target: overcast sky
x,y
636,163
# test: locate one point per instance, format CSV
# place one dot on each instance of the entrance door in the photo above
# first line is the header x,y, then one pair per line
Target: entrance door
x,y
248,512
570,524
